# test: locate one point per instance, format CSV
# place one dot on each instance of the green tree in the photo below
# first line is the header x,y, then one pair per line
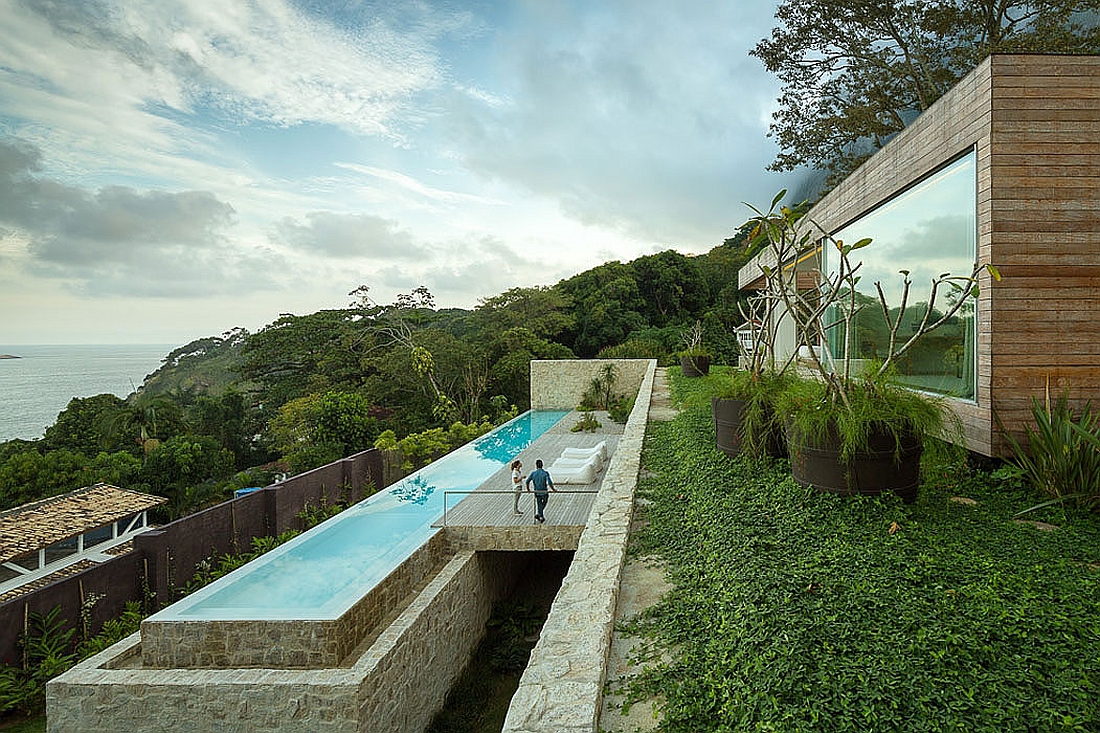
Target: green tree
x,y
544,311
510,374
607,306
228,418
672,287
31,475
143,420
183,469
855,72
79,426
284,358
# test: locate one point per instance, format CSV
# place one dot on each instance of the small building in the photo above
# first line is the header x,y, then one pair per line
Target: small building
x,y
68,532
1004,169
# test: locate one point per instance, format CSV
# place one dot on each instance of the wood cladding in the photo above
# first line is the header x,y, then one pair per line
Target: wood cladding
x,y
1033,122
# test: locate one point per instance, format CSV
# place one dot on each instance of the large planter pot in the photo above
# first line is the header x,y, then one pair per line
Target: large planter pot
x,y
695,366
884,466
728,434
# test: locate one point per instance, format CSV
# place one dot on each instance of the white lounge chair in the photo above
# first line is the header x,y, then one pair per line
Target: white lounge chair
x,y
566,461
600,449
573,474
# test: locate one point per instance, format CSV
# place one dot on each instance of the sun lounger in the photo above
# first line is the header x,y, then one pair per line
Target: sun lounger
x,y
573,474
600,449
566,461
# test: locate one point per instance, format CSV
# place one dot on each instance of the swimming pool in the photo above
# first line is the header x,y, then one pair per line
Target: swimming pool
x,y
321,573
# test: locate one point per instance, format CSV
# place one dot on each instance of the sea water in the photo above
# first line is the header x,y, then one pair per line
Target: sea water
x,y
323,572
37,386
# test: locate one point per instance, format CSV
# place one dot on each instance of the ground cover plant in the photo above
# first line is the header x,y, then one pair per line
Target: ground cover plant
x,y
794,610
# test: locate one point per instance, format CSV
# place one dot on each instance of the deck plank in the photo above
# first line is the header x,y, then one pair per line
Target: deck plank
x,y
490,505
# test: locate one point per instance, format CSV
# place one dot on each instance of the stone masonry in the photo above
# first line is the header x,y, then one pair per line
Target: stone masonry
x,y
561,690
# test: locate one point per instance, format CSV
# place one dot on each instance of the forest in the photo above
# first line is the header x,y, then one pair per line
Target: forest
x,y
236,410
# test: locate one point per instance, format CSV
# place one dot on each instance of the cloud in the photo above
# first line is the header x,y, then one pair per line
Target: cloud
x,y
647,117
349,236
264,60
119,240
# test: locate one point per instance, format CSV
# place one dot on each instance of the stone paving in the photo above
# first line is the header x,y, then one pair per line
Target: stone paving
x,y
642,584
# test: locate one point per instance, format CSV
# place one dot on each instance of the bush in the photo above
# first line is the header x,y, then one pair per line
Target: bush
x,y
636,349
1063,455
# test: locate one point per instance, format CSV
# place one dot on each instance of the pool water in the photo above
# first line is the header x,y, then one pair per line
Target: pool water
x,y
321,573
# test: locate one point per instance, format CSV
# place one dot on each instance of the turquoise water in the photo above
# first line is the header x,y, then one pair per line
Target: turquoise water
x,y
39,384
323,572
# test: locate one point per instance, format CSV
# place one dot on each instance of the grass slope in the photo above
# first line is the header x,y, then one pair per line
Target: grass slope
x,y
794,610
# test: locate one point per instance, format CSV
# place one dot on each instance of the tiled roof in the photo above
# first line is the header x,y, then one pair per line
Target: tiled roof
x,y
39,524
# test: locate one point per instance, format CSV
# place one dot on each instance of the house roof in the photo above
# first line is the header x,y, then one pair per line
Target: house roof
x,y
31,527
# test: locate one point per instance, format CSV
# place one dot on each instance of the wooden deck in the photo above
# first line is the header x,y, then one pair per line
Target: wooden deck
x,y
490,505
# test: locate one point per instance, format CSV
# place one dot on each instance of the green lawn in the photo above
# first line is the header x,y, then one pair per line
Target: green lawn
x,y
794,610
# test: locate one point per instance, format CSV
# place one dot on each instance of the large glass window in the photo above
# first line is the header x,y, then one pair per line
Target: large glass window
x,y
930,229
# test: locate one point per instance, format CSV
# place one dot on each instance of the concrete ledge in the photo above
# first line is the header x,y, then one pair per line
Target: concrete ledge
x,y
561,690
554,537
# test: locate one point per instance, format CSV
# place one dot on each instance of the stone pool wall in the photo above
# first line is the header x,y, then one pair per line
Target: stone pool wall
x,y
396,684
561,690
287,644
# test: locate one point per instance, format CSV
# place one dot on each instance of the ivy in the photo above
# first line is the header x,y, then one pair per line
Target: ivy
x,y
795,610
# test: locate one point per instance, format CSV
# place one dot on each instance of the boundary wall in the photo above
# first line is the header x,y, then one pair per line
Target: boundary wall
x,y
165,558
561,690
559,384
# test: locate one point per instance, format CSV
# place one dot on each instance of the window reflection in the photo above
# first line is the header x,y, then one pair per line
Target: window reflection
x,y
929,229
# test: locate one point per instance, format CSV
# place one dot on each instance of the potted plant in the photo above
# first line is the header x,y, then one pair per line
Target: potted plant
x,y
746,420
852,428
694,359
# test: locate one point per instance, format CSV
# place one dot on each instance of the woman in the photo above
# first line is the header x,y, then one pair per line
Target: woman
x,y
517,485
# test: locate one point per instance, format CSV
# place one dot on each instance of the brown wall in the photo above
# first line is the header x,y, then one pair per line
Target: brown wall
x,y
168,555
1034,124
1045,203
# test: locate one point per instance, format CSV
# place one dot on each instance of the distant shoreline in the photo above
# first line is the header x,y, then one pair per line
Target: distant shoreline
x,y
9,356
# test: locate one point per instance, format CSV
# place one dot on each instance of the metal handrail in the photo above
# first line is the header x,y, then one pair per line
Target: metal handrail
x,y
447,492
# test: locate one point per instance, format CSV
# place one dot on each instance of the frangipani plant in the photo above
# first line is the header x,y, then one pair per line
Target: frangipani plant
x,y
850,402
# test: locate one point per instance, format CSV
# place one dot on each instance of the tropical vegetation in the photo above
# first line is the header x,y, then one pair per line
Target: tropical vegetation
x,y
796,610
233,411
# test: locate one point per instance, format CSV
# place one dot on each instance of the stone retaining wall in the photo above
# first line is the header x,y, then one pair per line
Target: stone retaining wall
x,y
562,688
287,644
559,384
542,537
397,684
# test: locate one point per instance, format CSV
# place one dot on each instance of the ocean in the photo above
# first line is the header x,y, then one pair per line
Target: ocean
x,y
37,386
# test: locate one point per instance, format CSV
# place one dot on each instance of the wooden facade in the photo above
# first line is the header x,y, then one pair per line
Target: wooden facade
x,y
1033,122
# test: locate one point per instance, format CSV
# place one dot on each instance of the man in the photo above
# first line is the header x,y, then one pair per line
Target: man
x,y
541,478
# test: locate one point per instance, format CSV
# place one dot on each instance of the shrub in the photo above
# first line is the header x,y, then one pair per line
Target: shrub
x,y
588,424
1063,455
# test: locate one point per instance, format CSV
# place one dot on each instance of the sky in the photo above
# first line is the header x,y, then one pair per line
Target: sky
x,y
173,169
